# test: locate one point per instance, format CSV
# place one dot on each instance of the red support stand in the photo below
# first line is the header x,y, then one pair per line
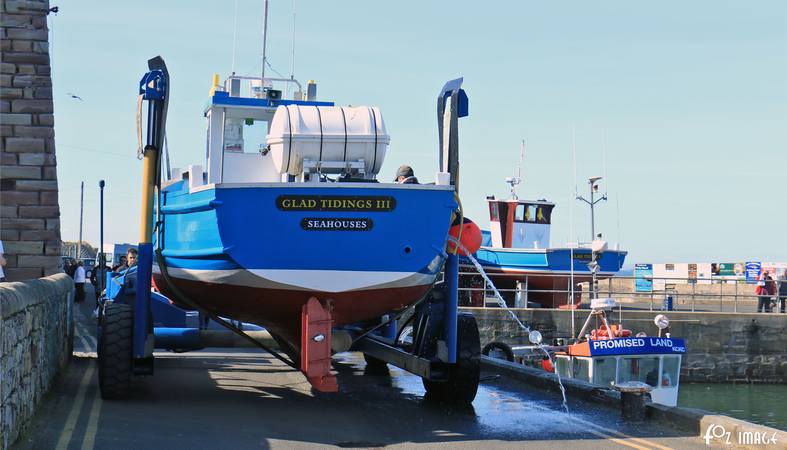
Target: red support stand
x,y
316,327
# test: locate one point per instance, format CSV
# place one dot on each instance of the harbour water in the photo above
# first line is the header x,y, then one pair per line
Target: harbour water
x,y
765,404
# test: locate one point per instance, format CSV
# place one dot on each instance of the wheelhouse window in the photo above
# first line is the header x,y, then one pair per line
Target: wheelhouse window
x,y
520,212
526,213
669,371
563,365
544,214
244,135
645,370
581,369
494,215
604,371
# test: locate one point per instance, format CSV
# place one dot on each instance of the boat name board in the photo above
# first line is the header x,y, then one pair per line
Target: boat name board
x,y
377,203
636,346
336,224
585,257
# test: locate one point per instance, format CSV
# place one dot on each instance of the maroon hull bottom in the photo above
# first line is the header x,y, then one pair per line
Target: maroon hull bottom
x,y
279,310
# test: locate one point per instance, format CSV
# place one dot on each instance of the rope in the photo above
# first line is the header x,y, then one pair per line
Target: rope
x,y
374,124
289,126
319,117
344,118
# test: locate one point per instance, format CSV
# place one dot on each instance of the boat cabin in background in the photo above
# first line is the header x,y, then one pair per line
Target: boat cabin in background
x,y
518,223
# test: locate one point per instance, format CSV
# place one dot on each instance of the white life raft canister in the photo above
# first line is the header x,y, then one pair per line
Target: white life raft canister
x,y
327,133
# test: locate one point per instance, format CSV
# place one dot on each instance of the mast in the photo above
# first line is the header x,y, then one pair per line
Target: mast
x,y
264,42
514,181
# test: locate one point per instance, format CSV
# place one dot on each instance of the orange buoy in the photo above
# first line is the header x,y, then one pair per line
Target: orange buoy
x,y
470,239
546,364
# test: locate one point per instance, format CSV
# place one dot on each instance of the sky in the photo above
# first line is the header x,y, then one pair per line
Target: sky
x,y
681,106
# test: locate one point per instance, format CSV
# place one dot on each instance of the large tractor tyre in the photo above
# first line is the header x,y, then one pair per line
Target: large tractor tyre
x,y
462,384
114,352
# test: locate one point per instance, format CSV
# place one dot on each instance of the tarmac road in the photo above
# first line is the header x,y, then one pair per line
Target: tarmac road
x,y
240,398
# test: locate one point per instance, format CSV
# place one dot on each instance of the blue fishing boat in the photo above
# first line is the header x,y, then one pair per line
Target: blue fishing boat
x,y
286,225
516,254
264,228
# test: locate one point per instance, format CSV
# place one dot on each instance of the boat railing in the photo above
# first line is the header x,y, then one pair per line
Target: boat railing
x,y
265,81
728,294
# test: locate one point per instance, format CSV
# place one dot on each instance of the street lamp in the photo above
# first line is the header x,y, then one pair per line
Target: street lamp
x,y
598,246
102,258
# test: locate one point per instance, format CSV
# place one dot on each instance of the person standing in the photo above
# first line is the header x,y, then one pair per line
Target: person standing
x,y
770,284
79,281
405,175
122,265
782,291
2,262
764,290
130,276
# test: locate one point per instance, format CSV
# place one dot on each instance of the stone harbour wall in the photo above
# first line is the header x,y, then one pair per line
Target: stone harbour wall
x,y
36,336
29,211
721,347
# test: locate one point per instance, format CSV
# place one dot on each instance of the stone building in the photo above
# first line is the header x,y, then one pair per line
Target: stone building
x,y
29,211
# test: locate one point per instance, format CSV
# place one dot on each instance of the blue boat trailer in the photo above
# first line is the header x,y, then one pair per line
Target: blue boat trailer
x,y
434,341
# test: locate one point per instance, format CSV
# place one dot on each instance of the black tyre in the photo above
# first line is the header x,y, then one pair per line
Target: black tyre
x,y
375,365
499,350
114,352
462,384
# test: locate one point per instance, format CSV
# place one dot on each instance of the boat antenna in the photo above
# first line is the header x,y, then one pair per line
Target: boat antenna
x,y
514,181
264,41
292,66
234,36
574,156
521,158
571,226
617,212
604,159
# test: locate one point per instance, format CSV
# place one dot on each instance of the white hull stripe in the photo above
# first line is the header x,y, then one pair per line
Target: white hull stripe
x,y
303,280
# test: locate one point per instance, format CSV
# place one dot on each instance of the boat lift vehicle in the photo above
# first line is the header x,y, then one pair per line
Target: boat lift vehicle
x,y
436,342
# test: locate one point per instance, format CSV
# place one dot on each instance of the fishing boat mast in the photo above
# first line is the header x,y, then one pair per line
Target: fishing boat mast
x,y
264,40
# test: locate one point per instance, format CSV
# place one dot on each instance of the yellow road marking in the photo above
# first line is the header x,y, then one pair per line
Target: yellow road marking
x,y
621,436
73,415
641,441
89,440
618,441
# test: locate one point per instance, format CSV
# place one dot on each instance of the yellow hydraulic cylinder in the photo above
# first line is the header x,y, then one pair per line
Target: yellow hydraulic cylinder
x,y
149,164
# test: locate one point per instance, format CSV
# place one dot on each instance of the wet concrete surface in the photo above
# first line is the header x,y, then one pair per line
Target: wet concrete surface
x,y
241,398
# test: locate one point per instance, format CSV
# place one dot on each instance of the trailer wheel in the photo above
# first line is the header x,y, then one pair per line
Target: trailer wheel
x,y
462,384
114,350
499,350
375,365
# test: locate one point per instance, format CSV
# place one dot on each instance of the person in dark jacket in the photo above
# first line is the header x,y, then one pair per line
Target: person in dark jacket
x,y
130,283
765,289
782,291
405,175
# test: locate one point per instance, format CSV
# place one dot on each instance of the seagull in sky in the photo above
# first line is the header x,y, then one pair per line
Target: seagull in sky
x,y
74,96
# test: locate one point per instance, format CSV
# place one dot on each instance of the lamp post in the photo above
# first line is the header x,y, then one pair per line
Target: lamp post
x,y
102,263
597,248
592,182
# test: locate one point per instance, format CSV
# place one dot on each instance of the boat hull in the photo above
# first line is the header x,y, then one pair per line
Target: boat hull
x,y
259,253
547,274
